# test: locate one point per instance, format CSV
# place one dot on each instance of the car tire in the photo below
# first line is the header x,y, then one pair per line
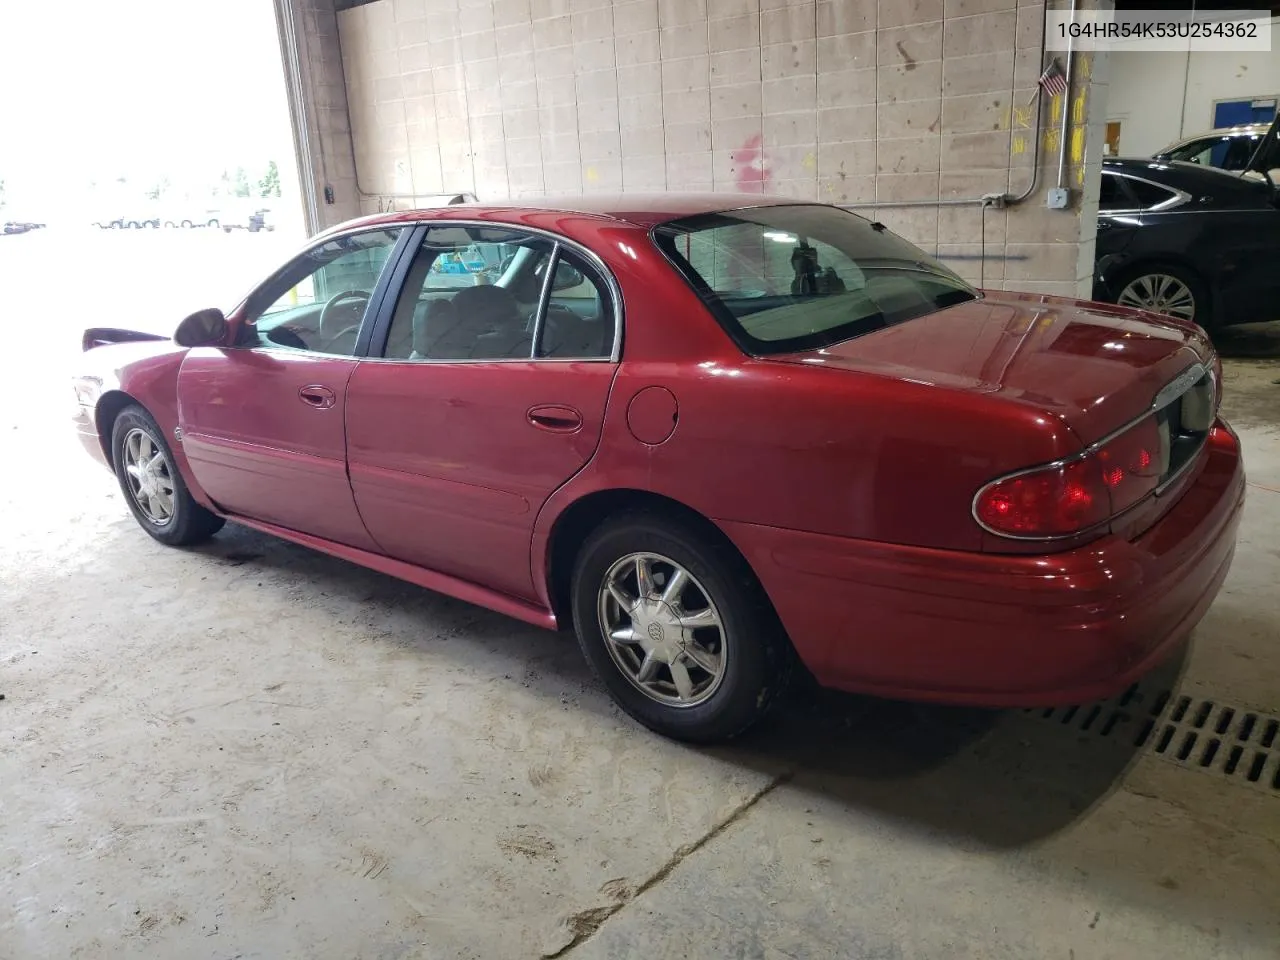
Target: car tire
x,y
743,662
213,223
187,224
160,501
1151,282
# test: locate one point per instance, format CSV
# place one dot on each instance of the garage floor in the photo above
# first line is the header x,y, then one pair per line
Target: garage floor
x,y
250,750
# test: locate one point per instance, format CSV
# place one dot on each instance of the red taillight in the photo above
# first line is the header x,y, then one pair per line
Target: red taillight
x,y
1065,499
1053,502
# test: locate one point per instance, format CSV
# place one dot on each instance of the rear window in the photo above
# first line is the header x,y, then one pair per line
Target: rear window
x,y
800,277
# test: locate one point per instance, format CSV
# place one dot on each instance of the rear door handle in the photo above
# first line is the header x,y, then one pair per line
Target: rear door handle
x,y
315,395
555,418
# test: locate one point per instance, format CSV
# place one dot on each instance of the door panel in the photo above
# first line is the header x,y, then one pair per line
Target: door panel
x,y
450,469
261,444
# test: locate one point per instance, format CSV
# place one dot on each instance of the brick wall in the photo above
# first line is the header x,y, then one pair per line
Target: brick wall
x,y
847,101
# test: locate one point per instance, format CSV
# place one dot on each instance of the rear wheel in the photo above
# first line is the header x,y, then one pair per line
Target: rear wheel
x,y
676,627
152,485
1165,288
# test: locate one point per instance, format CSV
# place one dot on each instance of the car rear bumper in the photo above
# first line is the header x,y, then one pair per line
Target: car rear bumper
x,y
1004,630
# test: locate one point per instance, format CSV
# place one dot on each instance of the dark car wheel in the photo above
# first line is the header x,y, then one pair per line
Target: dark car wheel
x,y
1165,288
152,485
677,629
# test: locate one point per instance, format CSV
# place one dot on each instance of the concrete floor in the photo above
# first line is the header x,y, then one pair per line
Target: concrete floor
x,y
250,750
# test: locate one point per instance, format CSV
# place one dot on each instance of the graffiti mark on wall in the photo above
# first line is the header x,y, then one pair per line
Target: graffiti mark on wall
x,y
1019,145
750,166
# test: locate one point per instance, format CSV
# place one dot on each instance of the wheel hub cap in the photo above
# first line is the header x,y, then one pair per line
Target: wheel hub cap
x,y
150,481
662,629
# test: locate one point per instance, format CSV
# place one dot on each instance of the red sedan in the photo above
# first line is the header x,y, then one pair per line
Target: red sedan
x,y
713,433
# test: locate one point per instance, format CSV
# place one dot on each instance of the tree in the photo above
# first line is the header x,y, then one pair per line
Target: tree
x,y
242,183
269,185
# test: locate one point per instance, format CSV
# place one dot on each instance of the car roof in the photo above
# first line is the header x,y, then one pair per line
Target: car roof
x,y
1179,174
1240,130
639,209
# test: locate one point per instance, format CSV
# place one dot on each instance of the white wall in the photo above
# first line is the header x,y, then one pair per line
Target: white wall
x,y
1146,91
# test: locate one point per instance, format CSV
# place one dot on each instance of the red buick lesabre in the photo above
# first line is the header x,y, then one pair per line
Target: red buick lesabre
x,y
715,434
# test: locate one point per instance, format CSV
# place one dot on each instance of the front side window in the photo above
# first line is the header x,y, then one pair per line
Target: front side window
x,y
475,293
320,300
804,276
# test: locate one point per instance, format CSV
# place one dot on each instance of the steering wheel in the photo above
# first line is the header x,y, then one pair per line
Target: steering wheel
x,y
327,313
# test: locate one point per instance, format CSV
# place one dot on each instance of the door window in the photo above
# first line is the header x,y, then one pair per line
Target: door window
x,y
473,293
319,302
579,322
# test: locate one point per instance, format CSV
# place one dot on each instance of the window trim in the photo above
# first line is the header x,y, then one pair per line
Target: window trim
x,y
1179,197
372,311
382,322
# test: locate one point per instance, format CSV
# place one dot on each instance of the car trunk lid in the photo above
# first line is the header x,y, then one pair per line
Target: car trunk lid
x,y
1092,366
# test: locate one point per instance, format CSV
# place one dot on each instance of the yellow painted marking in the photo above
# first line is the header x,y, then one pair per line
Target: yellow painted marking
x,y
1019,144
1085,66
1077,109
1051,139
1055,105
1080,176
592,175
1022,117
810,161
1077,145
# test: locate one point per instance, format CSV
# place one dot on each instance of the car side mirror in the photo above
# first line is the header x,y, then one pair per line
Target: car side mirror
x,y
204,328
567,277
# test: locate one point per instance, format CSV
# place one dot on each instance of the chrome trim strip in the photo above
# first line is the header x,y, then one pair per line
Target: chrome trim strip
x,y
1179,385
1162,399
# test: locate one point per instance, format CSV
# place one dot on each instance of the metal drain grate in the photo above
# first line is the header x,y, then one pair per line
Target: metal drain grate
x,y
1230,742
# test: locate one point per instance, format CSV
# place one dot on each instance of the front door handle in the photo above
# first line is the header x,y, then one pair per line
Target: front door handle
x,y
315,395
555,418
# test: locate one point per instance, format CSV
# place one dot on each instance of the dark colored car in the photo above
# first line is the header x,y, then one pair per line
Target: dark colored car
x,y
1188,241
711,433
1228,148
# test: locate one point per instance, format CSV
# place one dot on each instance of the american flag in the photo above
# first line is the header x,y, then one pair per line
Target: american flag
x,y
1053,81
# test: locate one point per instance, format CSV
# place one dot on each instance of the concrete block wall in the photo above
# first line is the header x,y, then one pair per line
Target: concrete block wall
x,y
846,101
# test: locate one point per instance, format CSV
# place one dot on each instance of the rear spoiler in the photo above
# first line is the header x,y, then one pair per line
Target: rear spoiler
x,y
102,336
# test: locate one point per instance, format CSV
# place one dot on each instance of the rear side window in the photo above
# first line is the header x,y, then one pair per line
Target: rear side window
x,y
803,276
479,293
1149,194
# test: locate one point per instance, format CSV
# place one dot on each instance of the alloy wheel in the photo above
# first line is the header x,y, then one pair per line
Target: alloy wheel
x,y
1160,293
662,629
150,476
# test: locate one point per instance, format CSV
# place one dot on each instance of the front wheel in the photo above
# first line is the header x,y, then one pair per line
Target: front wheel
x,y
677,629
152,485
